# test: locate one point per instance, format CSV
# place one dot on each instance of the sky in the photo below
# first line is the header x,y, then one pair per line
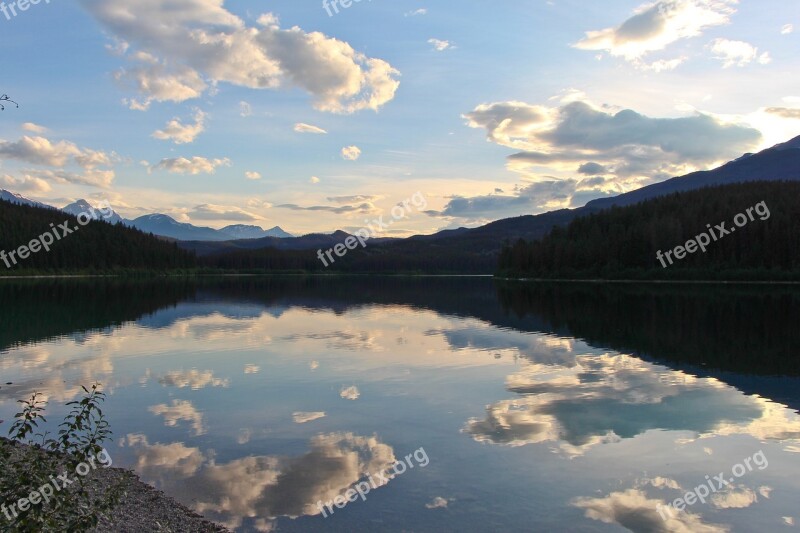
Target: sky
x,y
314,116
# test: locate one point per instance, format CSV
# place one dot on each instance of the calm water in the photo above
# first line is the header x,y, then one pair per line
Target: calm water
x,y
555,408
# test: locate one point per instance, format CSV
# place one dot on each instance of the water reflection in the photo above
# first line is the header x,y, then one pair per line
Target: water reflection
x,y
262,487
253,400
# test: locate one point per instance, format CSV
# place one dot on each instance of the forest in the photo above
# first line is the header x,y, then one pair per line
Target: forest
x,y
623,242
97,247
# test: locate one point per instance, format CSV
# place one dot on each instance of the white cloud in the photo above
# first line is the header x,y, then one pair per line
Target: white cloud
x,y
26,183
41,151
663,65
417,12
303,418
91,177
737,53
33,128
180,133
314,180
633,511
194,379
252,175
787,29
180,410
195,165
245,109
300,127
437,503
197,43
627,143
351,153
59,156
350,393
223,212
654,26
440,45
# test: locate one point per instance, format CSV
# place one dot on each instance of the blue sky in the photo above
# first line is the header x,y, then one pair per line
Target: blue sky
x,y
213,112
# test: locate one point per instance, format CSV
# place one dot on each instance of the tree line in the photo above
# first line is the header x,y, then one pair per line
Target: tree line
x,y
95,247
623,242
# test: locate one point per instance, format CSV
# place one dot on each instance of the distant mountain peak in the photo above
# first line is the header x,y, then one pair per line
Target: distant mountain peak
x,y
15,198
97,213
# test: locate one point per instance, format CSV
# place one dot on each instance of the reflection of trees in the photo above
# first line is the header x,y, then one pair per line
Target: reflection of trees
x,y
34,311
750,330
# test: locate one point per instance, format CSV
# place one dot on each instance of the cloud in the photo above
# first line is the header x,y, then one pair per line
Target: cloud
x,y
27,183
41,151
222,212
437,503
33,128
303,418
313,180
627,143
158,84
180,133
180,410
417,12
364,208
94,177
787,29
655,26
300,127
199,43
252,175
350,393
785,112
193,379
195,165
592,169
264,487
245,109
737,53
440,45
633,511
534,197
351,153
352,199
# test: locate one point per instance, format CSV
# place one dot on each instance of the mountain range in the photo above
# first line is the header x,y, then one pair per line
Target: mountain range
x,y
473,250
158,224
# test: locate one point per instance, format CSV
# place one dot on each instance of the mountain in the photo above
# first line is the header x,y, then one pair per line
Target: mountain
x,y
241,231
638,241
476,251
18,199
166,226
313,241
781,162
94,247
96,213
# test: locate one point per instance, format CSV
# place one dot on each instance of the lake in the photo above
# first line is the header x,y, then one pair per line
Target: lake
x,y
430,404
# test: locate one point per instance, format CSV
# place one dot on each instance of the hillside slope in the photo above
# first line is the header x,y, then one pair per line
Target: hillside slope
x,y
760,238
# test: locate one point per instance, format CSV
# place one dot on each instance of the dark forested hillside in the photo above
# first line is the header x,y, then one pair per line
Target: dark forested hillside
x,y
97,246
622,242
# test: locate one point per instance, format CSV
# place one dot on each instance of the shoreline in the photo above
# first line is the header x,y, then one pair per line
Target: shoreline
x,y
141,507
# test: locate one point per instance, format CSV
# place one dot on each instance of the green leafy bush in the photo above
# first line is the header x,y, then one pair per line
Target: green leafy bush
x,y
46,483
